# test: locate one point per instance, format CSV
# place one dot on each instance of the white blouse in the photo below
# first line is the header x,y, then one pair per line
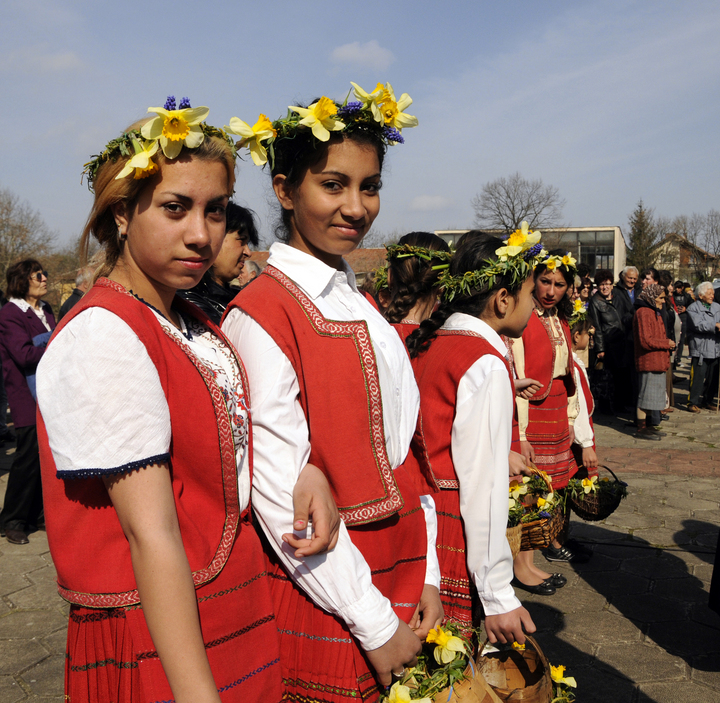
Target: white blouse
x,y
584,434
338,581
481,437
102,402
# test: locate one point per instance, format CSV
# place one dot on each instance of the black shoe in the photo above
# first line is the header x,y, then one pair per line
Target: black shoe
x,y
8,436
656,431
646,433
557,580
564,554
16,536
542,589
578,547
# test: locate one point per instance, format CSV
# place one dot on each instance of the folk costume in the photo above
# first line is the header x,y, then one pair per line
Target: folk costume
x,y
140,392
544,421
584,429
332,385
466,388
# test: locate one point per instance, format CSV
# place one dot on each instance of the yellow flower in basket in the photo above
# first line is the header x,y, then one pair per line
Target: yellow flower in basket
x,y
401,694
557,673
518,488
447,645
589,484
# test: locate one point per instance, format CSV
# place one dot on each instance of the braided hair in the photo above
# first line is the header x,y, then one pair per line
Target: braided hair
x,y
412,278
474,250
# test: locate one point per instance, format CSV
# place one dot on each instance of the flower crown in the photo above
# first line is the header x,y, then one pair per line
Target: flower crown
x,y
381,278
553,261
579,313
378,110
516,259
404,251
172,129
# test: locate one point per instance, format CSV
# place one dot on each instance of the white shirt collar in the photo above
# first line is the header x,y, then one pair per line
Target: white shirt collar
x,y
468,323
311,274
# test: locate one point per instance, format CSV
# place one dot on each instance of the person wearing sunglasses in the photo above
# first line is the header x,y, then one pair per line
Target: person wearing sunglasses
x,y
26,324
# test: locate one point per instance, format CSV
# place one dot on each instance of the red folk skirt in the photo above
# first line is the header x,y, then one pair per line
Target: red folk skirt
x,y
456,587
111,656
321,661
548,432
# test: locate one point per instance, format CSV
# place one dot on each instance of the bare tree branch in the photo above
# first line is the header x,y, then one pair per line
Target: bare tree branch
x,y
505,202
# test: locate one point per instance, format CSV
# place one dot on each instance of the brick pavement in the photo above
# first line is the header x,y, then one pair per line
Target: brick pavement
x,y
632,625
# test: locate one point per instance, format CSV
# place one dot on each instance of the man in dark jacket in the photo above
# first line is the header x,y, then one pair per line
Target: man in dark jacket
x,y
213,293
681,302
83,283
625,299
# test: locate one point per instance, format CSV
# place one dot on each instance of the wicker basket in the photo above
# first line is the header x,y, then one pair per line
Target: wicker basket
x,y
516,675
539,533
596,506
473,689
514,538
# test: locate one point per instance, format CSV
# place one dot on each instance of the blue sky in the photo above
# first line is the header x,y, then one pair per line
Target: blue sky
x,y
608,100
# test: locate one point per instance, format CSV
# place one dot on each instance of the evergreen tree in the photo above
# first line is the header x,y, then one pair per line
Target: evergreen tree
x,y
643,235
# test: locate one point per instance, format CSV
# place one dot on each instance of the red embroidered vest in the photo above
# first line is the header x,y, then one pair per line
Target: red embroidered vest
x,y
87,543
540,355
587,393
438,372
339,394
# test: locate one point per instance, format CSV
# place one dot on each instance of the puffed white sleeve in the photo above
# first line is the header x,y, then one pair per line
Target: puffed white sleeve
x,y
523,405
481,436
339,581
101,399
583,431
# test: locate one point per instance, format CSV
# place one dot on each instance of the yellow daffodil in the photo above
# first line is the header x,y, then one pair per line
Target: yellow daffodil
x,y
370,100
541,502
176,128
520,240
252,137
401,694
557,673
519,647
568,260
447,645
551,263
141,163
589,484
511,503
393,111
578,306
518,488
320,117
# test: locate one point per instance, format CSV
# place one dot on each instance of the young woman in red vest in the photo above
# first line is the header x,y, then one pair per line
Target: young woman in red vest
x,y
545,421
466,390
145,442
331,383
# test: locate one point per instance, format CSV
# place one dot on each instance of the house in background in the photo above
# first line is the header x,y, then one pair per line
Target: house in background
x,y
686,260
598,247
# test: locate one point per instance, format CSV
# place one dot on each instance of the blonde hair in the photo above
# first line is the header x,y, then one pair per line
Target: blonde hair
x,y
110,192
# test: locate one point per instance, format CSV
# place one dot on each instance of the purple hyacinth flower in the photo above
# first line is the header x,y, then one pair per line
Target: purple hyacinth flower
x,y
393,135
352,108
184,103
544,513
170,103
532,251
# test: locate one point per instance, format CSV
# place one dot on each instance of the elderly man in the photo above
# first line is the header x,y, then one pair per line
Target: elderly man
x,y
704,346
624,302
83,283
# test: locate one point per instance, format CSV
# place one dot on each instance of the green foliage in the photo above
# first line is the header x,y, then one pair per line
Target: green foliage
x,y
643,235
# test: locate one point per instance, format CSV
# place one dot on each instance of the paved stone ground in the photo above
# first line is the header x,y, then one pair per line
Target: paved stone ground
x,y
632,625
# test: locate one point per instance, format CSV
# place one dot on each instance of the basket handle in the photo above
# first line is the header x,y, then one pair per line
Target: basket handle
x,y
533,642
607,468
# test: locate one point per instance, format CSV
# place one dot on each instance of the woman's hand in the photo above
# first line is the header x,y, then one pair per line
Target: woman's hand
x,y
589,458
526,387
429,612
527,451
312,500
601,355
399,651
509,627
518,465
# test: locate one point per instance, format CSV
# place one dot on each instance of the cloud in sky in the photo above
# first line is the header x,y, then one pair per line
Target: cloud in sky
x,y
368,55
429,203
37,60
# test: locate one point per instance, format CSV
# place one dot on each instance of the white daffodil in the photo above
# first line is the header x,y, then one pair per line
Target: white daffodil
x,y
176,128
252,137
320,117
141,163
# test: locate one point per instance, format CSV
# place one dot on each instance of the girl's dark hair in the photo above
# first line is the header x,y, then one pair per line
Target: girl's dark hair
x,y
473,250
584,325
241,219
565,306
602,275
294,156
18,277
412,278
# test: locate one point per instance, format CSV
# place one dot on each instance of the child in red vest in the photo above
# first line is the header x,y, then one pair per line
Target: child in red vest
x,y
331,383
466,394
